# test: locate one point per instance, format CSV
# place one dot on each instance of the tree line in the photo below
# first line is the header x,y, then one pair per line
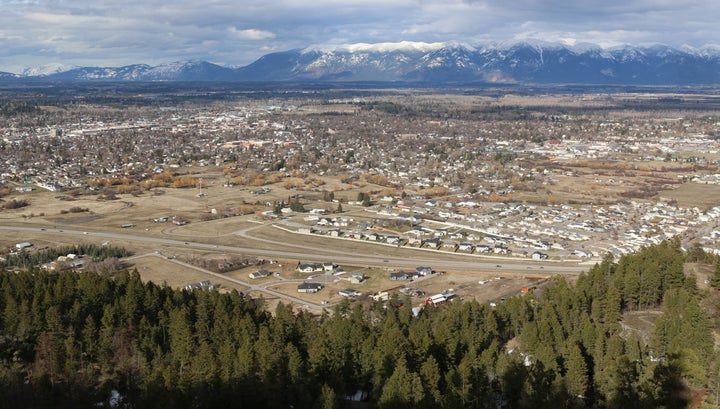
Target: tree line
x,y
96,253
69,340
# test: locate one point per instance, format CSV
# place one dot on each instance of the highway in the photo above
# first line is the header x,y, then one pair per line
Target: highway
x,y
308,252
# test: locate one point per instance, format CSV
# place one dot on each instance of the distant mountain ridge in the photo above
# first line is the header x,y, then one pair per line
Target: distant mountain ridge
x,y
523,62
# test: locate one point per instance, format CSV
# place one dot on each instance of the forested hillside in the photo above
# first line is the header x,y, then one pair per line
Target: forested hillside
x,y
71,339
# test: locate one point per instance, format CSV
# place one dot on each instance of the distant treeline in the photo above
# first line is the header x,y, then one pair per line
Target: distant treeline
x,y
70,340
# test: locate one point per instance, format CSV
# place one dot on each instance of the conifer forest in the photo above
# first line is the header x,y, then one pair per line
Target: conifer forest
x,y
109,340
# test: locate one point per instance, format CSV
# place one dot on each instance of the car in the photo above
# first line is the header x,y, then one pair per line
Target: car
x,y
187,243
43,229
498,265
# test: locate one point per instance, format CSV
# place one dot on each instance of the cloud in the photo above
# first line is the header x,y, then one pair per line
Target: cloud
x,y
116,32
251,34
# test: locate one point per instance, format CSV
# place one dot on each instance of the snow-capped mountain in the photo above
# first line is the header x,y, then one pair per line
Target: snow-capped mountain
x,y
177,71
523,62
47,69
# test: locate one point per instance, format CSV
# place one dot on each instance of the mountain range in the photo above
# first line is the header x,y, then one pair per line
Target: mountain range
x,y
523,62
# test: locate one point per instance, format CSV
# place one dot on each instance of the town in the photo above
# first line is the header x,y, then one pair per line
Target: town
x,y
552,179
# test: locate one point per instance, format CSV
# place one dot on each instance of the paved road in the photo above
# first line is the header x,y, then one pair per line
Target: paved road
x,y
306,252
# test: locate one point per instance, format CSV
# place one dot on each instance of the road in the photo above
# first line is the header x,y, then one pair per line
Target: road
x,y
306,252
264,287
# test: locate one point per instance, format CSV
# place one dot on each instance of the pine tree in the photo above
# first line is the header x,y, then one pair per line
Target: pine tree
x,y
403,389
327,399
576,371
715,279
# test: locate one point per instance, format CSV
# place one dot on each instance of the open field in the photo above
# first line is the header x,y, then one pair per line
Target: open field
x,y
50,209
693,194
161,271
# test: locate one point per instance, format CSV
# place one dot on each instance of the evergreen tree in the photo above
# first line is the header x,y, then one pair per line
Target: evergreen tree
x,y
403,389
715,278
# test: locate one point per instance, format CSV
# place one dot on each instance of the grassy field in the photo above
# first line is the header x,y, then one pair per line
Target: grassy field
x,y
693,194
162,271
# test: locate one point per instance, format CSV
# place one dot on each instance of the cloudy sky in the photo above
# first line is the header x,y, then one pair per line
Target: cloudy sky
x,y
236,32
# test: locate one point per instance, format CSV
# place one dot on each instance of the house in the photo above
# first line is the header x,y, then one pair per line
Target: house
x,y
260,274
349,292
357,278
403,275
392,239
581,253
310,288
466,247
539,256
374,237
310,267
424,271
202,285
501,249
329,266
432,243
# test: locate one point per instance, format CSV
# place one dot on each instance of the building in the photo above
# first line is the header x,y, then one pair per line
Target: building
x,y
349,292
23,245
309,288
403,275
260,274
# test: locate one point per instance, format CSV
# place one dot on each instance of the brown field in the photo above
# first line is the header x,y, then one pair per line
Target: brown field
x,y
161,271
693,194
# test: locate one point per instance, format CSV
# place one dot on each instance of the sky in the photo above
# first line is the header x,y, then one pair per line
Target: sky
x,y
112,33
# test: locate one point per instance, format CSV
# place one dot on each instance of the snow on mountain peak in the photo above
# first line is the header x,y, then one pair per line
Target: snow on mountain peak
x,y
406,46
47,69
